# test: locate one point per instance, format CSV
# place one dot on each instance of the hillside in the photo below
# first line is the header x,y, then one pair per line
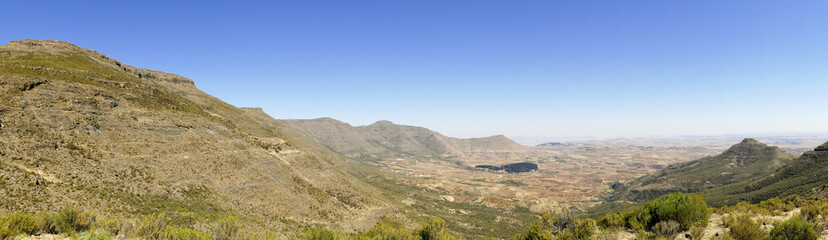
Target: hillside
x,y
745,160
79,128
806,175
385,139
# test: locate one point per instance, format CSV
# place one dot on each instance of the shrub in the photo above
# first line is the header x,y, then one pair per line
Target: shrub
x,y
666,228
228,229
548,225
175,233
97,235
611,221
16,224
47,223
794,228
776,206
152,226
108,224
744,228
70,220
581,229
386,231
433,230
320,233
696,232
638,219
687,210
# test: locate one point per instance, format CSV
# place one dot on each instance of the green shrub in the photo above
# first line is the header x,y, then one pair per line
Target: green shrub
x,y
47,223
581,229
70,220
548,226
638,220
611,221
666,228
175,233
696,232
108,224
794,228
320,233
776,206
152,226
687,210
386,231
744,228
17,223
433,229
229,228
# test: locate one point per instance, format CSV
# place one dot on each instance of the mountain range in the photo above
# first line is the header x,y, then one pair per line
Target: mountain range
x,y
385,139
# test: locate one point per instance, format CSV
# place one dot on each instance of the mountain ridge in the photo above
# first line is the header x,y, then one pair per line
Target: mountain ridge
x,y
744,160
385,139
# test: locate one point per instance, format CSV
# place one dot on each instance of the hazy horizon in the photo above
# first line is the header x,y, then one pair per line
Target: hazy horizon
x,y
604,69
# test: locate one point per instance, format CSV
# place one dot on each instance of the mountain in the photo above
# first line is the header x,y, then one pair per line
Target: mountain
x,y
79,128
385,139
807,176
745,160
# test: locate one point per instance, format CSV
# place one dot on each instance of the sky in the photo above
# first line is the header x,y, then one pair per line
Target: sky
x,y
600,69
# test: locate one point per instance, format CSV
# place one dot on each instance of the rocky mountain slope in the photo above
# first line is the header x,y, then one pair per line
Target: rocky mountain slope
x,y
79,128
807,175
385,139
745,160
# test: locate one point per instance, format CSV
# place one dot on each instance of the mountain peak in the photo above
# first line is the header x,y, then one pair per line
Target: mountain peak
x,y
751,141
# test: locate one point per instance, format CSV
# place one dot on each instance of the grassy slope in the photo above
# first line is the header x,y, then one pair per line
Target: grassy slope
x,y
742,161
79,128
800,177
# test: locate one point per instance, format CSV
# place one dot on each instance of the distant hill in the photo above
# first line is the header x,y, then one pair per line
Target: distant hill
x,y
79,128
745,160
385,139
806,176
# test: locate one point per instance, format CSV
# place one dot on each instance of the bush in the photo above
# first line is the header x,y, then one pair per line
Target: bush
x,y
744,228
320,233
434,230
228,229
108,224
548,225
696,232
687,210
152,226
581,229
175,233
666,228
776,206
794,228
638,220
17,223
70,220
611,221
386,231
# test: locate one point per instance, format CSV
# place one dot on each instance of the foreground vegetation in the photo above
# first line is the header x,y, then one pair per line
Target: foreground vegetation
x,y
662,218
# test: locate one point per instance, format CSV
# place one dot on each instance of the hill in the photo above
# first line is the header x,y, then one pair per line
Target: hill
x,y
745,160
385,139
79,128
806,175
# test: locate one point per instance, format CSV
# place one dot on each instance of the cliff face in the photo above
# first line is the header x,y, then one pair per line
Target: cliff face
x,y
80,128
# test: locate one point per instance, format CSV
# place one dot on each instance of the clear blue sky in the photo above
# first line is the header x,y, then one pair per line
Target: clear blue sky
x,y
477,68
